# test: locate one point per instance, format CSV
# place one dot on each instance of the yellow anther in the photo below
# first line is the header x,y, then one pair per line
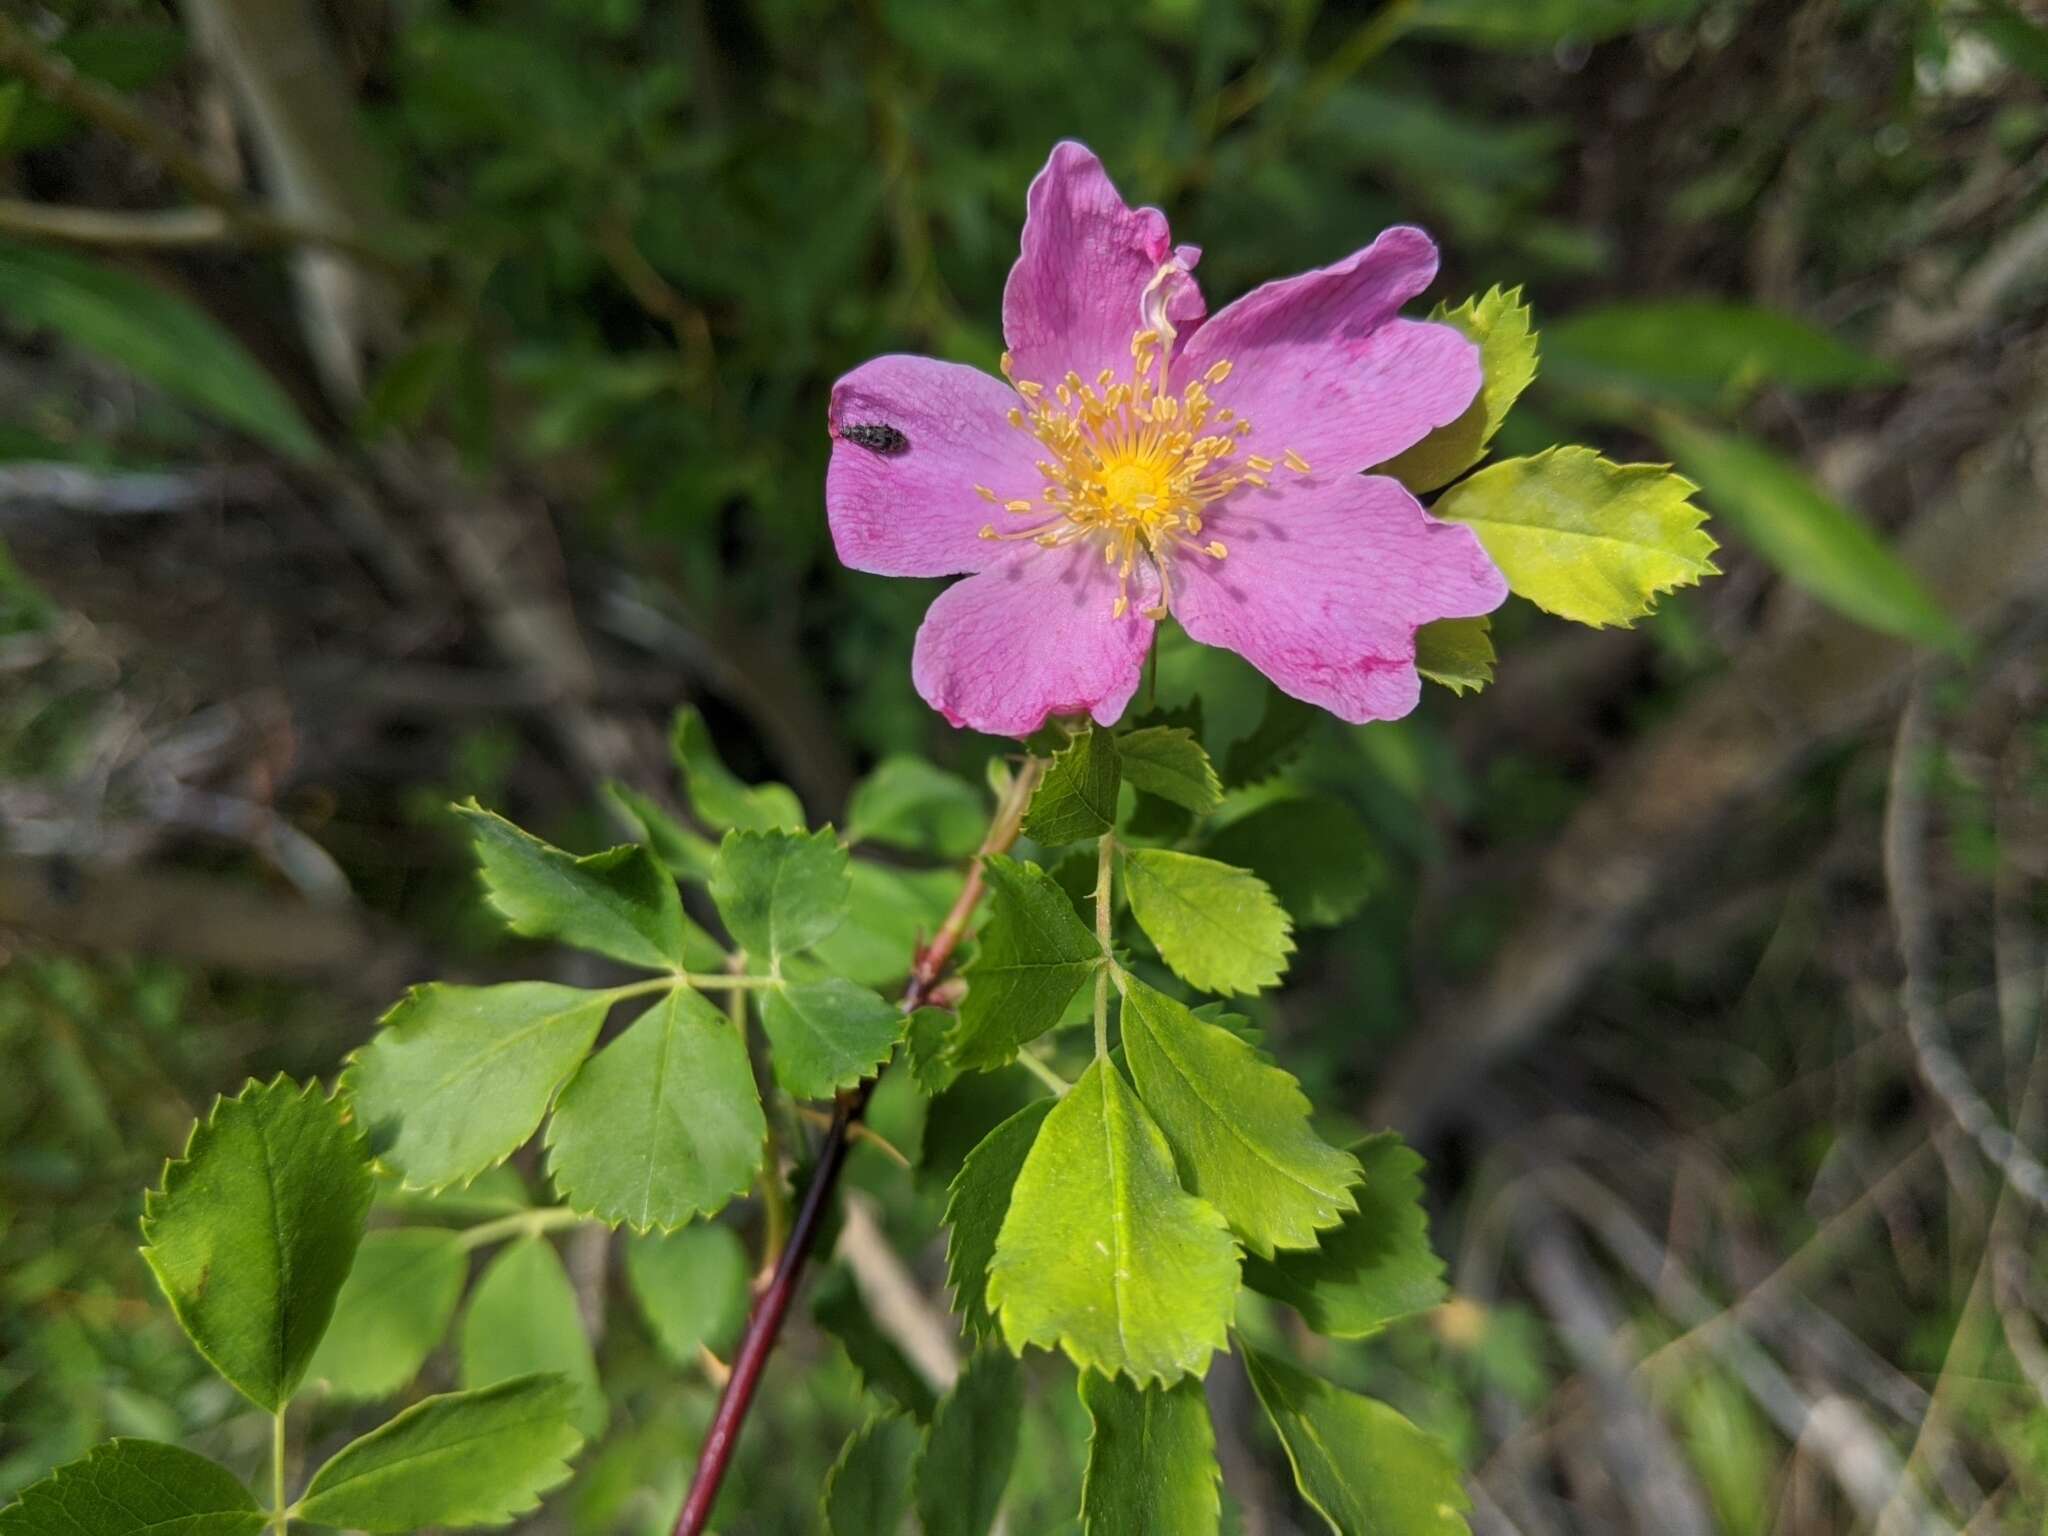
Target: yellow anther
x,y
1105,378
1123,604
1295,462
1262,465
1008,365
1217,373
1258,480
988,531
1016,506
1016,417
1215,547
1156,614
1030,389
984,493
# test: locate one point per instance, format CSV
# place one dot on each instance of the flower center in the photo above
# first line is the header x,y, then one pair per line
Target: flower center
x,y
1132,465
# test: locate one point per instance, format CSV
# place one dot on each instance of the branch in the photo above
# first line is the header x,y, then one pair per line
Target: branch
x,y
764,1325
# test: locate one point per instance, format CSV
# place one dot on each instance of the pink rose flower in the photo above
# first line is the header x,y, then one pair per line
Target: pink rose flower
x,y
1140,459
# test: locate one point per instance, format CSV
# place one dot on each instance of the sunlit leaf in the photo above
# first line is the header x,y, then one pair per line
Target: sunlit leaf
x,y
1032,957
1217,926
253,1230
1499,322
1102,1253
1167,761
1456,653
1077,797
1583,538
826,1035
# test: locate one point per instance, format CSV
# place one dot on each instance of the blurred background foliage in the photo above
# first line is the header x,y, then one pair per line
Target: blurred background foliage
x,y
406,399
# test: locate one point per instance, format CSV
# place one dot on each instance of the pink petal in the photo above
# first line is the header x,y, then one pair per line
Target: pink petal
x,y
1323,587
1320,365
1072,301
915,512
1030,637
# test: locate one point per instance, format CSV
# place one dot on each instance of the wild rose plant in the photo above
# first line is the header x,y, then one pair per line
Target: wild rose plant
x,y
1146,1191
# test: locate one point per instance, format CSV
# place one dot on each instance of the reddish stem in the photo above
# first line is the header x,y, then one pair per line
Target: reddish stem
x,y
764,1325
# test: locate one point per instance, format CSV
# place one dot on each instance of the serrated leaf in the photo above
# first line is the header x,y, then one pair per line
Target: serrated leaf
x,y
254,1229
889,912
1364,1468
523,1319
924,1040
1315,853
392,1311
1499,322
1102,1253
1167,761
971,1448
155,335
1812,539
719,797
458,1078
780,892
827,1035
134,1488
1032,956
691,1286
976,1203
1239,1126
664,1123
683,853
884,1369
867,1492
1456,653
908,803
1077,796
619,902
1700,351
460,1459
1217,926
1377,1266
1582,538
1151,1461
1283,727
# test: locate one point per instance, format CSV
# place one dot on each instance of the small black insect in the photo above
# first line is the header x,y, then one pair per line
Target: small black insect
x,y
875,436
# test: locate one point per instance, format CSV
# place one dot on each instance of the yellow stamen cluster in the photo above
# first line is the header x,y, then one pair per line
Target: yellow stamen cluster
x,y
1134,463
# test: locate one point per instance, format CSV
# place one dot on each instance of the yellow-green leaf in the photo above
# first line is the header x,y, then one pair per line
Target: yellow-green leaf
x,y
1583,538
1217,926
1458,653
1499,322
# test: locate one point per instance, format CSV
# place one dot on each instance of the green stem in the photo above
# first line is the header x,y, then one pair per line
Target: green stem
x,y
1030,1062
1105,861
520,1224
278,1518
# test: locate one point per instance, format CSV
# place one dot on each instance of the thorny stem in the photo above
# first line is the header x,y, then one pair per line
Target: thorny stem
x,y
1105,863
764,1324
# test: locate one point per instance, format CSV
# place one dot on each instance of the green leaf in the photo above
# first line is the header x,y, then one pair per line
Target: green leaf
x,y
155,335
619,902
884,1369
867,1492
780,892
924,1041
1218,927
682,852
1815,541
889,913
523,1318
664,1123
460,1459
717,795
827,1035
459,1077
1077,797
971,1448
1499,322
976,1203
134,1488
1457,653
1167,761
1582,538
1315,853
254,1230
1377,1266
1151,1461
1031,958
1700,352
1239,1126
1365,1469
691,1286
1102,1253
392,1311
1283,728
1540,24
907,803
